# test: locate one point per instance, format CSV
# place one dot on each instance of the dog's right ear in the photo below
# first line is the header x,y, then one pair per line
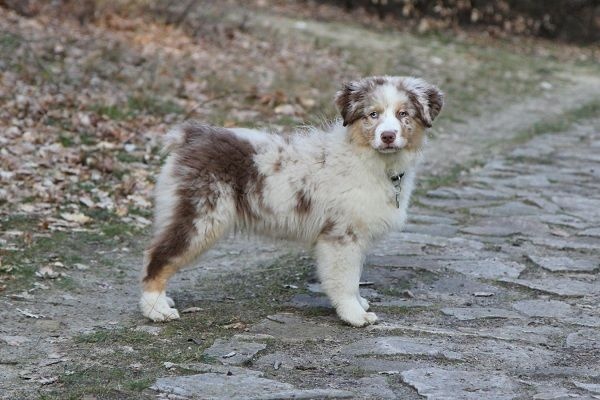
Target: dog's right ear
x,y
348,102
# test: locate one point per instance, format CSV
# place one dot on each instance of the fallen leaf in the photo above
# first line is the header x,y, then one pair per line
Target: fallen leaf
x,y
235,325
29,314
307,102
191,310
559,232
483,294
48,381
285,109
86,201
393,372
47,273
76,217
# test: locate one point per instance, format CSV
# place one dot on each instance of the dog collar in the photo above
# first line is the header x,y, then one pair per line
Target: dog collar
x,y
397,178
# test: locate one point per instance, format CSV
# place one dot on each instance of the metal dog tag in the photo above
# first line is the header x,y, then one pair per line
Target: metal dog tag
x,y
397,182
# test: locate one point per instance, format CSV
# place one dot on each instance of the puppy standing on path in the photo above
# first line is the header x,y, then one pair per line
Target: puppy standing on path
x,y
338,190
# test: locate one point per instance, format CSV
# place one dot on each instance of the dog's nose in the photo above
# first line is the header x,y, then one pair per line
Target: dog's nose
x,y
388,137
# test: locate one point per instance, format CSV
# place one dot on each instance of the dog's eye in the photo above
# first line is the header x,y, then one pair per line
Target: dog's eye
x,y
374,114
402,114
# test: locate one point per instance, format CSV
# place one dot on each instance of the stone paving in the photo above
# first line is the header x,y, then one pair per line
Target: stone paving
x,y
491,292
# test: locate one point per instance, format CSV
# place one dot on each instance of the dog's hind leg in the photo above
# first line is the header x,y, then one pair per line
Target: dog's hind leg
x,y
183,240
339,264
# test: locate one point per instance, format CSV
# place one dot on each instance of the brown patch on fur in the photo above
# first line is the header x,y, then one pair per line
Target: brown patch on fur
x,y
327,227
350,234
358,136
304,203
330,233
175,239
323,158
216,155
277,165
414,138
207,158
259,189
157,282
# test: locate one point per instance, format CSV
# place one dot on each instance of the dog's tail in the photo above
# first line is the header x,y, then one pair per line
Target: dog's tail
x,y
174,139
185,134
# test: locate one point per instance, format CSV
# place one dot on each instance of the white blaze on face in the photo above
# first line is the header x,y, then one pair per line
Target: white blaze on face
x,y
389,97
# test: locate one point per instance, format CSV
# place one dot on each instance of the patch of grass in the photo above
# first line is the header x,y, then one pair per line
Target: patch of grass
x,y
139,104
529,160
66,283
137,385
241,297
474,76
153,105
120,336
589,110
65,140
59,246
126,157
9,42
356,371
287,121
87,139
17,222
397,289
558,123
105,381
450,177
59,122
399,310
141,211
113,112
85,186
315,311
118,229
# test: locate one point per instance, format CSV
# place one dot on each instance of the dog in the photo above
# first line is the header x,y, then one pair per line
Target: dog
x,y
337,189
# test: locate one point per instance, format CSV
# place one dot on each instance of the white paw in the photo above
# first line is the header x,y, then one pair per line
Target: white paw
x,y
170,301
155,306
363,303
353,313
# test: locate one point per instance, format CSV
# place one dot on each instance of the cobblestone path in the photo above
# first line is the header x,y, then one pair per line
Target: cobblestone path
x,y
491,292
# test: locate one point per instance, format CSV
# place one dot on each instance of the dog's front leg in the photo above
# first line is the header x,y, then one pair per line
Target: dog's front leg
x,y
339,267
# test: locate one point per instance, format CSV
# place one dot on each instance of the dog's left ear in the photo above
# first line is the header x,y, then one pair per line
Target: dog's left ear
x,y
427,99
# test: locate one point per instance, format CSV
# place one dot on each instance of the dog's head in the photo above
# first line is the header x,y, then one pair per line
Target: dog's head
x,y
389,113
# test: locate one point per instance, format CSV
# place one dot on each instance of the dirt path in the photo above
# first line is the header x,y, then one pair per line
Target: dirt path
x,y
82,334
486,125
497,130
